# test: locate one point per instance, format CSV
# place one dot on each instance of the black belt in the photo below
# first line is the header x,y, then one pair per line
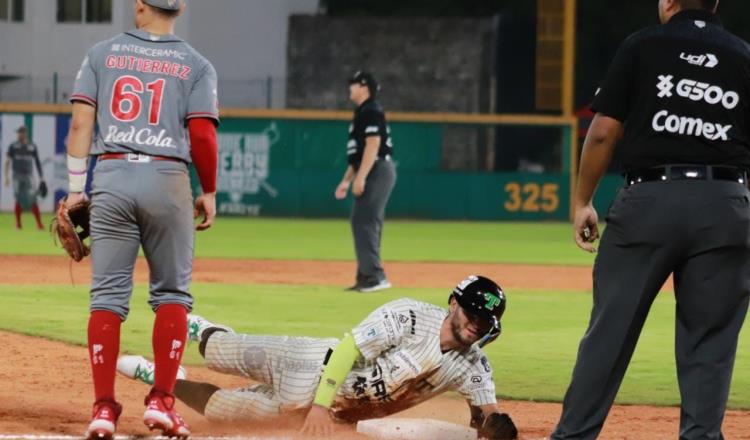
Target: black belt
x,y
686,172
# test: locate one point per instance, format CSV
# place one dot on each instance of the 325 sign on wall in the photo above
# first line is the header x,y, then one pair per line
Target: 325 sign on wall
x,y
532,197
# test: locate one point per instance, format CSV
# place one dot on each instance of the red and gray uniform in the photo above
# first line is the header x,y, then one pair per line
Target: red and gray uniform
x,y
145,89
23,158
401,365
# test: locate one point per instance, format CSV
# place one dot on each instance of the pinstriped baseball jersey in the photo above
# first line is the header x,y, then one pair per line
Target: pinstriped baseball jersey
x,y
145,88
401,365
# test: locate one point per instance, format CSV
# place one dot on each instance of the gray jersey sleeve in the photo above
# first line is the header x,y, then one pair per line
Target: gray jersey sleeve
x,y
383,329
478,387
86,85
203,101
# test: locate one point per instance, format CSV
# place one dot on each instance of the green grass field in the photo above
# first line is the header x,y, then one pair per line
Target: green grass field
x,y
532,359
478,242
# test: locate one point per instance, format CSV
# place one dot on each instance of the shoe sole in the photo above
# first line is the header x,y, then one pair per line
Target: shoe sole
x,y
156,420
100,435
375,288
100,429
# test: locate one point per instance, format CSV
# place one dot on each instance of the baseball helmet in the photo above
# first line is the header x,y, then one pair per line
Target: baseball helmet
x,y
482,298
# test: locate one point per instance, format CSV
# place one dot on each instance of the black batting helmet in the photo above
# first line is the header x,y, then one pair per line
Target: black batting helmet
x,y
483,298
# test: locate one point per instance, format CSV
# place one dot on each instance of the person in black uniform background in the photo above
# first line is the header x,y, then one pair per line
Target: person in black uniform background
x,y
373,175
677,97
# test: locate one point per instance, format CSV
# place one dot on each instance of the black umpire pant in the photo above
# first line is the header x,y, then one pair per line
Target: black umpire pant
x,y
368,214
700,231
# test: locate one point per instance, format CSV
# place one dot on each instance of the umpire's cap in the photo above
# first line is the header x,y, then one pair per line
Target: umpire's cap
x,y
482,298
365,79
169,5
22,129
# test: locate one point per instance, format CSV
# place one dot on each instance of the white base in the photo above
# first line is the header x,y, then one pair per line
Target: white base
x,y
414,429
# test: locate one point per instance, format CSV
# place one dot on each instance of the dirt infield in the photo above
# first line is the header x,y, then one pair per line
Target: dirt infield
x,y
47,388
57,270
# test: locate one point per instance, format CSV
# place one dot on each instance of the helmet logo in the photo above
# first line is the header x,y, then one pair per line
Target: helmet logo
x,y
492,301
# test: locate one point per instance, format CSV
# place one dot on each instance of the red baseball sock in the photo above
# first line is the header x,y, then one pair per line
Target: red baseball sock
x,y
18,215
37,216
170,331
104,346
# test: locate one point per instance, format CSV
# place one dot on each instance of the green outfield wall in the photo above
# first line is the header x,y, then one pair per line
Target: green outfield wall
x,y
288,163
290,168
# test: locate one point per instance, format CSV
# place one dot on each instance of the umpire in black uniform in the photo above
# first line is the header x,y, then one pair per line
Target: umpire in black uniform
x,y
373,175
677,97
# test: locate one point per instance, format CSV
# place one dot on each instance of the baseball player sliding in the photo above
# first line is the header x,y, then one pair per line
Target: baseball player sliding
x,y
403,353
150,99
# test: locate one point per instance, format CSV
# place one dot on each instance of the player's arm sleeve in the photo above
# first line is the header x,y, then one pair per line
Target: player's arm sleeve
x,y
383,329
86,85
372,123
203,101
614,97
478,387
204,151
338,367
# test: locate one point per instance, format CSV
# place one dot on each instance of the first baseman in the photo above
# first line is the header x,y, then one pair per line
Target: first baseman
x,y
403,353
151,100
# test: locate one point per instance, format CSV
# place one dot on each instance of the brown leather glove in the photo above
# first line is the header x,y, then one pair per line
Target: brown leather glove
x,y
498,426
71,227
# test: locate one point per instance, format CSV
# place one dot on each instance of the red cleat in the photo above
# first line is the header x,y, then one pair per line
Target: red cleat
x,y
104,420
160,414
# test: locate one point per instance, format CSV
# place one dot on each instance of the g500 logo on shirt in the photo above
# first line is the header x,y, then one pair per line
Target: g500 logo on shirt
x,y
697,91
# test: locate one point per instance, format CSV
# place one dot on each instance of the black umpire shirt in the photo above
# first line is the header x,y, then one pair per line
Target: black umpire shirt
x,y
683,92
369,120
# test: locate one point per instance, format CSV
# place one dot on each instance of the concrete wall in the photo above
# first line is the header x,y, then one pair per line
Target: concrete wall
x,y
245,39
422,64
425,65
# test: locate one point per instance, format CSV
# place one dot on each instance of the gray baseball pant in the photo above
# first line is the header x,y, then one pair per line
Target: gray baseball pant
x,y
367,218
141,204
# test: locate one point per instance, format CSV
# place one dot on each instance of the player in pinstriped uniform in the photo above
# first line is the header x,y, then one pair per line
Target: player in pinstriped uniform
x,y
405,352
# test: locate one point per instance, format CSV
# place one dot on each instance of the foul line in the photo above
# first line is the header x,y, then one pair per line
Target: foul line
x,y
129,437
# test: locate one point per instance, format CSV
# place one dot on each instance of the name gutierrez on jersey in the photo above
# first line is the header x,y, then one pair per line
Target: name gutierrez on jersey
x,y
146,65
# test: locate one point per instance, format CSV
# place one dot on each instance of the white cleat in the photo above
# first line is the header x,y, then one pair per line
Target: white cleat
x,y
140,368
197,325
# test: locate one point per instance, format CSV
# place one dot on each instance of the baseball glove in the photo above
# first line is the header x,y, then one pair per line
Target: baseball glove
x,y
65,226
498,426
42,189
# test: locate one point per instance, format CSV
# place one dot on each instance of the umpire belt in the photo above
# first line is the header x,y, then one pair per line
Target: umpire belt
x,y
686,172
